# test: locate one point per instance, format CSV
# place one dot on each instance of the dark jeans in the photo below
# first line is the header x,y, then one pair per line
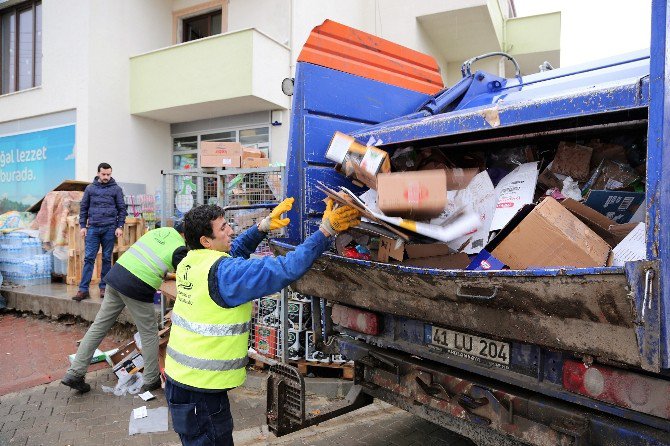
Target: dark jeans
x,y
200,418
96,236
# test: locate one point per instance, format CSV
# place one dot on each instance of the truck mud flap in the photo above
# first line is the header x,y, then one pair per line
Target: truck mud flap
x,y
596,312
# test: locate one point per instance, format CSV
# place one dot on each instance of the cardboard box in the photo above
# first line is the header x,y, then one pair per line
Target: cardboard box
x,y
457,260
129,366
356,161
573,160
220,154
299,314
251,152
98,356
596,221
269,308
631,248
485,261
295,344
255,163
124,352
390,248
420,251
610,175
548,236
415,195
615,205
265,340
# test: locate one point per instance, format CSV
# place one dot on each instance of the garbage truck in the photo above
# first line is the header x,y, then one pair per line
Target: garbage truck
x,y
558,355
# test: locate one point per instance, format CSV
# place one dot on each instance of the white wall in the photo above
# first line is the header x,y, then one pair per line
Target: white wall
x,y
137,148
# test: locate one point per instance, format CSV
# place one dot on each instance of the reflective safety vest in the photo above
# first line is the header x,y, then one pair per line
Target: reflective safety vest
x,y
208,344
150,257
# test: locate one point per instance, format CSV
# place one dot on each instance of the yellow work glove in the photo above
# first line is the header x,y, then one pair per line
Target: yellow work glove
x,y
274,220
340,219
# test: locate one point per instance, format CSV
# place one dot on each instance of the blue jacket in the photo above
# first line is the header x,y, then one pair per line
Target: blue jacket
x,y
234,281
103,205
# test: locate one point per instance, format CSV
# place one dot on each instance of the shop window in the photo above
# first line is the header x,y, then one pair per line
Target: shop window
x,y
21,47
203,25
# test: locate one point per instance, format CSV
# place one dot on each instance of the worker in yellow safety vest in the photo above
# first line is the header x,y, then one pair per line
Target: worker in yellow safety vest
x,y
211,318
132,283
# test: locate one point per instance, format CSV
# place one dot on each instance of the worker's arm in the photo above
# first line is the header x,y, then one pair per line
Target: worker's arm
x,y
247,242
234,281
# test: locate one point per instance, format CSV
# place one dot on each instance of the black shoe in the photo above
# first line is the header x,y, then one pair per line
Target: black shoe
x,y
76,383
81,295
148,387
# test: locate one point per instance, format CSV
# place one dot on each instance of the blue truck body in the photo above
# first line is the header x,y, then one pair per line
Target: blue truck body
x,y
617,94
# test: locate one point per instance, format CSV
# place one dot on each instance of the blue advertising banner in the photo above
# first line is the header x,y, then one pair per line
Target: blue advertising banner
x,y
31,164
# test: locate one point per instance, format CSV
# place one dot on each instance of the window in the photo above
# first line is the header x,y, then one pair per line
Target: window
x,y
21,47
204,25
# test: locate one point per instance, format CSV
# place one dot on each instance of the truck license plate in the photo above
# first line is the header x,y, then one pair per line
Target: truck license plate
x,y
470,346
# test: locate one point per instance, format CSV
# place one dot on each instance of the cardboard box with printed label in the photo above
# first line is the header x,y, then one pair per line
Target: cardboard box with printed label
x,y
251,152
265,340
356,161
255,163
414,195
548,235
299,314
220,154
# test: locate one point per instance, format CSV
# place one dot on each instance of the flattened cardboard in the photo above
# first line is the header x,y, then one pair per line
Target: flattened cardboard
x,y
551,237
415,195
458,260
420,251
619,232
615,205
593,219
573,160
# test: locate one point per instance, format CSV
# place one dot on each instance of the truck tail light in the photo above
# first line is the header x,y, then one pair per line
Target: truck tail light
x,y
357,320
622,388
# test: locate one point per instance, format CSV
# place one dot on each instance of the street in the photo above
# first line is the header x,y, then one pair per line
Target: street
x,y
52,414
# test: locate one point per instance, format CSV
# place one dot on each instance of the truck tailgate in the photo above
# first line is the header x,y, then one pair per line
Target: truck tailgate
x,y
591,314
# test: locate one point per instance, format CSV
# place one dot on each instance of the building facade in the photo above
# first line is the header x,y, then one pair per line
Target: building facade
x,y
139,84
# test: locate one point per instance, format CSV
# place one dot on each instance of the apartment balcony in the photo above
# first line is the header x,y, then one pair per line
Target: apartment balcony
x,y
227,74
461,30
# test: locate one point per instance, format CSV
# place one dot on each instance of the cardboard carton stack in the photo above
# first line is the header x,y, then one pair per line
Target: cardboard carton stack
x,y
231,155
560,205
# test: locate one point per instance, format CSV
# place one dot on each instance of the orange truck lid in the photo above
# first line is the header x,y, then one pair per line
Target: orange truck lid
x,y
342,48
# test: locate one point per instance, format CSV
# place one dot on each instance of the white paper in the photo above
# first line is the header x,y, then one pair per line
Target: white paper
x,y
140,412
372,161
480,193
631,248
513,192
338,148
146,396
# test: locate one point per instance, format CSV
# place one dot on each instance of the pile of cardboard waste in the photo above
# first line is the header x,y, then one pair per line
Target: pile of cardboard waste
x,y
560,204
231,155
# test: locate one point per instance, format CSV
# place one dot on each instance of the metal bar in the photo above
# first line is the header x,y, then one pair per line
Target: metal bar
x,y
283,326
164,201
658,169
571,130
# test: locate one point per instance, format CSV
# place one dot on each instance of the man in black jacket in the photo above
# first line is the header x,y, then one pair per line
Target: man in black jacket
x,y
101,218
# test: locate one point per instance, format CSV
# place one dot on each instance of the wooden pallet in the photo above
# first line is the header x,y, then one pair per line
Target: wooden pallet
x,y
133,230
344,370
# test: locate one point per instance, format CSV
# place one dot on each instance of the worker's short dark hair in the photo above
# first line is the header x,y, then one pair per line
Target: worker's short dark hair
x,y
103,166
198,222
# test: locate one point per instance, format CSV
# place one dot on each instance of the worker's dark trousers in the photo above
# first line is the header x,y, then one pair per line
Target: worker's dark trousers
x,y
200,418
